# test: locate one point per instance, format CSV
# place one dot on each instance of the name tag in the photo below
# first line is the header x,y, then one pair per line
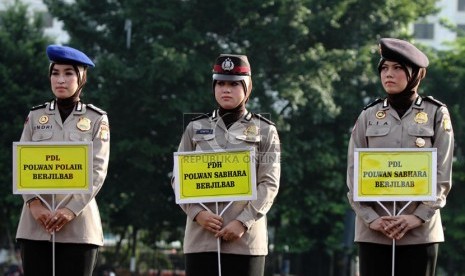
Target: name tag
x,y
204,131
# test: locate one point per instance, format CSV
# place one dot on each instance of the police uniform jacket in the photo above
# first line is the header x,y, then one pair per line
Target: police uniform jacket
x,y
86,123
210,133
425,124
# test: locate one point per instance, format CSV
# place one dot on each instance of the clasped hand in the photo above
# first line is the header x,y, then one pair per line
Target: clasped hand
x,y
395,227
214,223
51,221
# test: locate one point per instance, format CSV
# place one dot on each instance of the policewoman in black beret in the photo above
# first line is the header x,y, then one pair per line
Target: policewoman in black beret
x,y
242,227
403,119
76,222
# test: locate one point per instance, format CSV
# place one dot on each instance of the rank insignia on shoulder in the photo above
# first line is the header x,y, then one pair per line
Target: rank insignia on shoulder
x,y
38,106
204,131
262,117
433,100
83,124
375,102
96,109
201,116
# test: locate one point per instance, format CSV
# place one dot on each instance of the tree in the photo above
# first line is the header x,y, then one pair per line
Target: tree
x,y
445,80
312,64
23,78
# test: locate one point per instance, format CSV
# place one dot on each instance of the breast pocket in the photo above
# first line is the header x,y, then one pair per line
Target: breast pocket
x,y
425,132
205,142
377,135
42,136
248,139
80,136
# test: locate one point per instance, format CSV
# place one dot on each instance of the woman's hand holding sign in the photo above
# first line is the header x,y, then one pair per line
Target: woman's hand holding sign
x,y
231,232
209,221
61,217
40,213
395,227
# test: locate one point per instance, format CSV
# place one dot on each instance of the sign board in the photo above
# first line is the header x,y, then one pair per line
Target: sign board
x,y
395,174
215,176
52,168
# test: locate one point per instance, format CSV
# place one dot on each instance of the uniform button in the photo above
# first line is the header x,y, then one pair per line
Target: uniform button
x,y
398,122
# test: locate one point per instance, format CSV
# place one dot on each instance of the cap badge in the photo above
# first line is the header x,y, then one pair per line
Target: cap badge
x,y
380,114
227,65
421,118
43,119
83,124
420,142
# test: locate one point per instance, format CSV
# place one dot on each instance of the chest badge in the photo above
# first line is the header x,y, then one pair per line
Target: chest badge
x,y
251,131
420,142
421,117
43,119
83,124
380,114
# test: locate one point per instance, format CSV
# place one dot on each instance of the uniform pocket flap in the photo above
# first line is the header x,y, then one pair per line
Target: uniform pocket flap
x,y
42,135
420,131
377,131
253,139
205,137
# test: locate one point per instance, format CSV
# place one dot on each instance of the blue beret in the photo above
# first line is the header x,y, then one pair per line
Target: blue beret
x,y
402,51
68,55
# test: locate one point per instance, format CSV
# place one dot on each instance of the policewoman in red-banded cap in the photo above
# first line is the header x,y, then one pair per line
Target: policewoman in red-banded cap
x,y
242,227
402,119
75,223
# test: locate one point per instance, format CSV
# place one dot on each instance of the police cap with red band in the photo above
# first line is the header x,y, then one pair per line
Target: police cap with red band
x,y
231,68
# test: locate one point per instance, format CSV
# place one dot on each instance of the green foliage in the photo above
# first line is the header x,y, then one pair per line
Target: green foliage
x,y
445,80
313,65
23,79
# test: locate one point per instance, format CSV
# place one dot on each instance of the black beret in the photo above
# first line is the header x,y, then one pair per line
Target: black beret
x,y
402,51
68,55
231,67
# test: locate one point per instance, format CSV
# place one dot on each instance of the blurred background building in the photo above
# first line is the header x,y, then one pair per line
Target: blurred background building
x,y
433,30
52,27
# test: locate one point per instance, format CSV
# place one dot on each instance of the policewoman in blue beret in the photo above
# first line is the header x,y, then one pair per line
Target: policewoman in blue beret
x,y
76,222
242,227
403,119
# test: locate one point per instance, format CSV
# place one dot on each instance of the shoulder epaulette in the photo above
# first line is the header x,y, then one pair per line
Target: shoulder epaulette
x,y
375,102
96,109
434,101
263,118
205,115
39,106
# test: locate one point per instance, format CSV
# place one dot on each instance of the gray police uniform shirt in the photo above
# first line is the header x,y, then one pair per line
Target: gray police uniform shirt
x,y
210,133
86,123
425,124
